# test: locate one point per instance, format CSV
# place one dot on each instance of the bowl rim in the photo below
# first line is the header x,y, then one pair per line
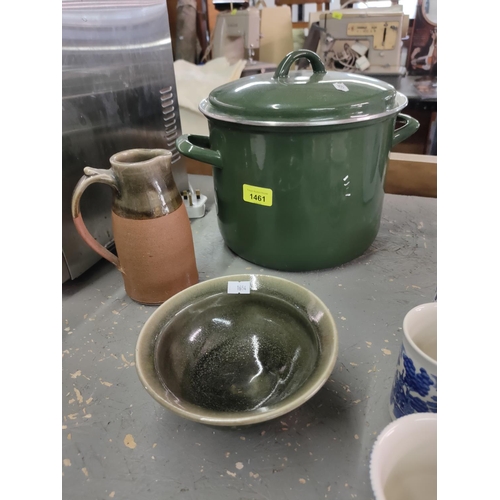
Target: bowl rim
x,y
321,374
404,421
406,320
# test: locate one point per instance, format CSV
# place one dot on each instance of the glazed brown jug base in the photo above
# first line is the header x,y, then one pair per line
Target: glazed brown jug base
x,y
156,256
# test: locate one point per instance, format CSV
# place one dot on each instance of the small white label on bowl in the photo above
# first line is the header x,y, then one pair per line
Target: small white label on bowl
x,y
341,86
238,287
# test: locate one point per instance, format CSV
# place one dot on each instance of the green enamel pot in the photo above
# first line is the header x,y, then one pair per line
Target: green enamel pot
x,y
299,161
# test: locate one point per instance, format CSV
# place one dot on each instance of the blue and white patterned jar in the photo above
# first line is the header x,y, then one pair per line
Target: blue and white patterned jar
x,y
415,384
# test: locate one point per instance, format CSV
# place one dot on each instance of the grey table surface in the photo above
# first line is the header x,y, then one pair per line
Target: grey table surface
x,y
117,442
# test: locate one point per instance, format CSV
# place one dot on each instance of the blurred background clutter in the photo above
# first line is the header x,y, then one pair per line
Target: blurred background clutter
x,y
392,40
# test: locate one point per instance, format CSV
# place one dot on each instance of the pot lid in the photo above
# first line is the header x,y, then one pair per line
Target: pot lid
x,y
290,98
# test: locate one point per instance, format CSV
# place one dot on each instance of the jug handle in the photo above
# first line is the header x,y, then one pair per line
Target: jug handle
x,y
92,175
197,147
409,128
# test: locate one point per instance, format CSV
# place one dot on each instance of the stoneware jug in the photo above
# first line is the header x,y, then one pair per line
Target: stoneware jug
x,y
151,227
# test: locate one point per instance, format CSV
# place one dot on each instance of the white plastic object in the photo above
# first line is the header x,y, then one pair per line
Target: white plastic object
x,y
196,210
362,63
359,48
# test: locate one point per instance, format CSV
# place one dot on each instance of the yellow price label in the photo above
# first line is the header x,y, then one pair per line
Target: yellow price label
x,y
257,195
337,15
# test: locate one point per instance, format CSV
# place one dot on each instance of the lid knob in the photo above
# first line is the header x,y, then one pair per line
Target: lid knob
x,y
285,65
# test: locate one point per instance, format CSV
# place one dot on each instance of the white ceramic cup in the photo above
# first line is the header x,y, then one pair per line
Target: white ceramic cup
x,y
403,462
414,389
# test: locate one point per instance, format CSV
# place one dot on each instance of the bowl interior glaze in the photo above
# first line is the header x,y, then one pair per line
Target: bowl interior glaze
x,y
237,359
234,353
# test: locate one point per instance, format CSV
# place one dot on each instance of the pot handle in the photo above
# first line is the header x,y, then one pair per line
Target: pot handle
x,y
285,65
92,175
409,128
197,147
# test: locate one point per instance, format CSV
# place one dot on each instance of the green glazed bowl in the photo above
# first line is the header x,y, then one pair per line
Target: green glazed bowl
x,y
237,359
